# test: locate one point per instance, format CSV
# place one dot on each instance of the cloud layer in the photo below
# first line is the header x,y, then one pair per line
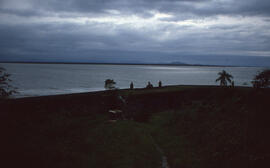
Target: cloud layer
x,y
157,31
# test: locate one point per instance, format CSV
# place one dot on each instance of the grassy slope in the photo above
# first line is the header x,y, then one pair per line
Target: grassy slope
x,y
221,128
58,140
195,126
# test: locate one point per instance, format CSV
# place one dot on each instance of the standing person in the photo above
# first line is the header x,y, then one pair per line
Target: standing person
x,y
159,84
131,85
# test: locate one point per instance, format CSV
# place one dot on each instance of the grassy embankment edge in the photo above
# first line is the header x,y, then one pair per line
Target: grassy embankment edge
x,y
74,128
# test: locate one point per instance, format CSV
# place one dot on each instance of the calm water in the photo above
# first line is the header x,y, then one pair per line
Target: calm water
x,y
50,79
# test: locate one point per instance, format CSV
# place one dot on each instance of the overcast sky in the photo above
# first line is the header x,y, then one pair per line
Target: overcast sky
x,y
225,32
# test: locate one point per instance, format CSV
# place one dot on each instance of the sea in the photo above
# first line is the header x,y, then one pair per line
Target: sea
x,y
52,79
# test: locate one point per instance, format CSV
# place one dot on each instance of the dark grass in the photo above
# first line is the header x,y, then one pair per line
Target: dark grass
x,y
59,140
221,128
196,126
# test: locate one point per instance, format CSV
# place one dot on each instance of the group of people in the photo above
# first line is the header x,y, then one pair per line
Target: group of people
x,y
148,86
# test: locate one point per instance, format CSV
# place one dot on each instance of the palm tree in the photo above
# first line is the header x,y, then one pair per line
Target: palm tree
x,y
224,77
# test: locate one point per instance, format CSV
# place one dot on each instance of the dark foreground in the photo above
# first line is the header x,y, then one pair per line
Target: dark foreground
x,y
194,127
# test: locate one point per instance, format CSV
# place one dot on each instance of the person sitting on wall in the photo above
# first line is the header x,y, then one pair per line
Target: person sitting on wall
x,y
149,85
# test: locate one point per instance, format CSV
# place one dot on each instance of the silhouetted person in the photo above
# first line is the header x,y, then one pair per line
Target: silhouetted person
x,y
159,84
149,85
232,84
131,85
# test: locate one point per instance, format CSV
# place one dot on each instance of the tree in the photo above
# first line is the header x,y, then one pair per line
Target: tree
x,y
262,79
224,77
109,84
5,88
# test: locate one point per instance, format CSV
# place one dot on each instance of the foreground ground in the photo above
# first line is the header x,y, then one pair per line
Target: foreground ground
x,y
194,126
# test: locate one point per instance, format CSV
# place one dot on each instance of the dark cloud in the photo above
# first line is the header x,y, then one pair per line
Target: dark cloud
x,y
142,7
52,30
69,42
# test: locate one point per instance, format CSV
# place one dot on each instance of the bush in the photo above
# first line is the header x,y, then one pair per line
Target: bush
x,y
262,79
109,84
5,88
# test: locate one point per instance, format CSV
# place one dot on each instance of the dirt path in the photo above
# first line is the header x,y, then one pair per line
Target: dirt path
x,y
164,158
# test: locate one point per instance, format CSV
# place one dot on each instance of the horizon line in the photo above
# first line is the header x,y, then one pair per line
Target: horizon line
x,y
121,63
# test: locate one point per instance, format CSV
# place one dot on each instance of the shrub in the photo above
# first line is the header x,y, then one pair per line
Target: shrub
x,y
262,79
5,88
109,84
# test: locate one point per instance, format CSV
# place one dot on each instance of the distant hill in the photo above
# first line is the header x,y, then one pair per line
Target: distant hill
x,y
178,63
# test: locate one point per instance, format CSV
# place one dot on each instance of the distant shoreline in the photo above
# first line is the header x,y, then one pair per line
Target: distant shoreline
x,y
147,64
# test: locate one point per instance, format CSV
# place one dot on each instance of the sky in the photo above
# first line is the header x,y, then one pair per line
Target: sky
x,y
212,32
